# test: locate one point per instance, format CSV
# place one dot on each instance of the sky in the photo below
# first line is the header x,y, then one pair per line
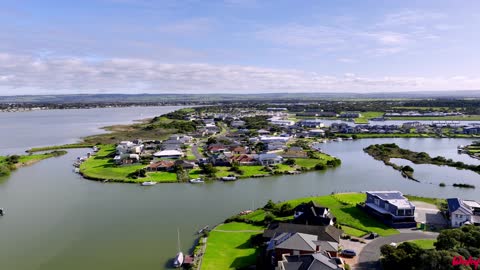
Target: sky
x,y
238,46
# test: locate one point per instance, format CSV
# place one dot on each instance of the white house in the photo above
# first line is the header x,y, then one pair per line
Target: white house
x,y
269,159
463,212
269,139
168,154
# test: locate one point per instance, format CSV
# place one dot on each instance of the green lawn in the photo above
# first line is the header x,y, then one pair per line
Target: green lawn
x,y
249,171
58,147
424,243
353,232
308,163
366,116
101,166
349,215
350,198
230,250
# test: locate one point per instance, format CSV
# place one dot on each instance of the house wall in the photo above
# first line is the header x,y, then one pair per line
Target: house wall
x,y
458,218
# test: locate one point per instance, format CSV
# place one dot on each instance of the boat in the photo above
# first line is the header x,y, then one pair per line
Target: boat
x,y
148,183
229,178
338,139
178,261
76,170
2,212
196,181
95,149
203,230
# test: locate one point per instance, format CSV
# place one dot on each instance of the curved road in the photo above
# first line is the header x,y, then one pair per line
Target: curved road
x,y
370,254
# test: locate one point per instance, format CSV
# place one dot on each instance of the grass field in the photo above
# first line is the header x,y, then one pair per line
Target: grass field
x,y
367,116
343,207
424,243
58,147
230,248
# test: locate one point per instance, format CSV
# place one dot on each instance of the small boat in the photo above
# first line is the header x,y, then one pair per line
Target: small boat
x,y
2,212
76,170
229,178
95,149
196,181
203,230
338,139
178,261
148,183
76,164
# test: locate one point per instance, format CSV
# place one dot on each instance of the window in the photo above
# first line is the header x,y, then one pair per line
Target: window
x,y
376,201
386,206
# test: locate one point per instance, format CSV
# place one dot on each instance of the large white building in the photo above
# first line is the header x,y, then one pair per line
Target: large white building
x,y
463,212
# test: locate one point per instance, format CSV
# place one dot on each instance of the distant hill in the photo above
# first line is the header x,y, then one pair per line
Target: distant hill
x,y
205,98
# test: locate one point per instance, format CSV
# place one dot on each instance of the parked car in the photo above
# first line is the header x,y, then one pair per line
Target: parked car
x,y
348,253
373,235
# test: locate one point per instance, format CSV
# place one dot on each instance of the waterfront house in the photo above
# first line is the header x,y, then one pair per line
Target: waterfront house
x,y
391,207
350,115
161,165
311,123
186,165
294,243
244,159
269,159
462,212
312,214
220,159
316,133
471,130
168,154
125,159
217,148
274,146
316,261
324,233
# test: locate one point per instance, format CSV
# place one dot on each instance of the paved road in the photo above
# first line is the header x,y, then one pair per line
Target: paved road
x,y
370,255
195,152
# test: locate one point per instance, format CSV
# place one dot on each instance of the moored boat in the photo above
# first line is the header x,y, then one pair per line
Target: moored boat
x,y
196,181
229,178
178,261
148,183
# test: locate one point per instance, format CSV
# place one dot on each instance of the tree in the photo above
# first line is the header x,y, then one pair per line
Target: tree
x,y
208,169
211,140
290,162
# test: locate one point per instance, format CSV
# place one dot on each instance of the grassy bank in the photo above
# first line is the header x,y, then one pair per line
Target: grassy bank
x,y
342,206
59,147
11,163
425,243
229,247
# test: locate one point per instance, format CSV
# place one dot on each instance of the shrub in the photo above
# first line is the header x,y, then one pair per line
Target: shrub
x,y
442,184
320,166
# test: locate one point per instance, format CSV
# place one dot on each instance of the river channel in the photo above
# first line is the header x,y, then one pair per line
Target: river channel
x,y
56,220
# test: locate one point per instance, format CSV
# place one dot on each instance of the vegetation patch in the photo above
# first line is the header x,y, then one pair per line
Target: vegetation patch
x,y
424,243
13,162
385,152
59,147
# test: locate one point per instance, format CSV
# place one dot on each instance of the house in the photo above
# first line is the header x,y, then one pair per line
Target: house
x,y
316,261
410,125
280,122
295,243
324,233
269,139
295,152
161,165
350,115
217,148
269,159
238,150
125,159
471,130
168,154
237,123
462,212
244,159
263,132
220,159
274,146
128,147
312,214
391,207
276,109
311,123
316,133
186,165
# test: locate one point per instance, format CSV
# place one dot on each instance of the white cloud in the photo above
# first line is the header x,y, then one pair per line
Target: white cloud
x,y
410,17
27,75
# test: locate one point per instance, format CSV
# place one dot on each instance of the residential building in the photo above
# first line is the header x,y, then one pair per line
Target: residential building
x,y
161,165
295,152
462,212
244,159
324,233
350,115
168,154
317,261
312,214
316,133
125,159
391,207
311,123
269,159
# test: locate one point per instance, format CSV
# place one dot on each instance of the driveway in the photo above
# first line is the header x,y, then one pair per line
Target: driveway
x,y
195,152
370,254
429,214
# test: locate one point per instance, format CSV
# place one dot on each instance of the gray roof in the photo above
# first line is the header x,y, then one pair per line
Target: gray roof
x,y
317,261
296,241
327,246
324,233
388,195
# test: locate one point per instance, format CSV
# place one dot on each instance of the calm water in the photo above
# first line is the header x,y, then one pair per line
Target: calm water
x,y
56,220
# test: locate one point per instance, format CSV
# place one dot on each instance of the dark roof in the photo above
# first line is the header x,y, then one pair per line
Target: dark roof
x,y
317,261
324,233
455,203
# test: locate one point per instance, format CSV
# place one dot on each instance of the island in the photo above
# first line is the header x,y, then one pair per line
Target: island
x,y
13,162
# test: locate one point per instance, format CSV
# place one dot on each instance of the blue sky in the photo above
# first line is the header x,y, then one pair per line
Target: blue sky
x,y
243,46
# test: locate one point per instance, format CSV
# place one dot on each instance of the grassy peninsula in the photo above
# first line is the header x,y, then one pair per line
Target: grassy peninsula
x,y
13,162
233,245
